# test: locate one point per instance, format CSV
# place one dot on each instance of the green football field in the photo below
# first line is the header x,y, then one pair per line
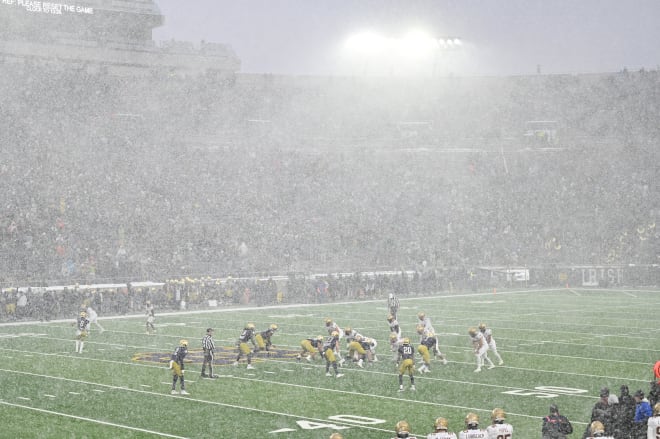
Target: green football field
x,y
558,346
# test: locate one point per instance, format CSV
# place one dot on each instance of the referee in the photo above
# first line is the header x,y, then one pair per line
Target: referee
x,y
209,348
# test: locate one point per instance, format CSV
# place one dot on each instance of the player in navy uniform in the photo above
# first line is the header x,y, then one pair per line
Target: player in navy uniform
x,y
263,339
176,364
406,362
247,336
82,328
330,349
310,347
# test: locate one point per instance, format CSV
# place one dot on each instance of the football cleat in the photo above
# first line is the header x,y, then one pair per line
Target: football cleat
x,y
339,375
478,369
501,362
249,366
235,363
328,374
492,366
360,363
444,361
174,392
400,388
308,358
205,375
412,387
183,392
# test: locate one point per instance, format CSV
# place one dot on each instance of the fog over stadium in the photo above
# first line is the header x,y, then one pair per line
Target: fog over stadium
x,y
220,160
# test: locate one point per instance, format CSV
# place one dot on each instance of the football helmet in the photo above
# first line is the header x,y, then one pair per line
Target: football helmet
x,y
393,336
406,340
183,343
319,337
336,436
83,314
358,338
472,331
597,427
498,415
482,326
402,426
656,409
249,326
347,330
472,420
390,318
273,327
420,329
335,334
441,424
421,315
430,334
328,321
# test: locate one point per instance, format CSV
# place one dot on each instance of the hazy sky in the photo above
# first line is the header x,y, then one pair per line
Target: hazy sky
x,y
501,37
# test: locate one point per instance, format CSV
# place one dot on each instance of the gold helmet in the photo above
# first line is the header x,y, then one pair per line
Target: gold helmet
x,y
420,329
393,336
402,426
83,314
471,419
336,436
406,340
328,321
249,326
335,334
183,343
273,327
358,338
319,337
421,315
347,330
597,427
390,318
498,415
656,409
441,424
482,326
472,331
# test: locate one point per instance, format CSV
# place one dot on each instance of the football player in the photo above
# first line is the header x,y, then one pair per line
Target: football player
x,y
331,326
441,430
480,348
472,430
428,342
425,321
247,336
310,347
598,431
402,430
82,328
263,339
490,341
93,317
653,422
357,350
406,363
395,342
330,348
394,324
499,428
176,364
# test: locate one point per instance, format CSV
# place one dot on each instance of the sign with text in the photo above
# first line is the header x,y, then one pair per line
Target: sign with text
x,y
53,8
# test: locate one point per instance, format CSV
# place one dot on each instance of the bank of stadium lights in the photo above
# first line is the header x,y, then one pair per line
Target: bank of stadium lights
x,y
415,42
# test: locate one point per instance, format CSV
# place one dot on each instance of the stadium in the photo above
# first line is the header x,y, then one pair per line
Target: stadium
x,y
138,171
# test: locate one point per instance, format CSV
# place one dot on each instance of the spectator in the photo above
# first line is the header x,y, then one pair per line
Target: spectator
x,y
555,425
643,412
603,412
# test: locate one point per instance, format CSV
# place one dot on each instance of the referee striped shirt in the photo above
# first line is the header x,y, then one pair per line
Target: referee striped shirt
x,y
207,343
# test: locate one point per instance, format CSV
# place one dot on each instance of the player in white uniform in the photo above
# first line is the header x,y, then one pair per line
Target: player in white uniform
x,y
394,324
395,342
499,428
488,334
441,430
93,317
472,430
426,321
598,431
480,348
402,430
653,431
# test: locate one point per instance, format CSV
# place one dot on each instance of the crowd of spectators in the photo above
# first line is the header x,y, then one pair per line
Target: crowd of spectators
x,y
113,178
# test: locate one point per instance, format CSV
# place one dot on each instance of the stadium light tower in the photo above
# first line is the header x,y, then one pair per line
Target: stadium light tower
x,y
413,53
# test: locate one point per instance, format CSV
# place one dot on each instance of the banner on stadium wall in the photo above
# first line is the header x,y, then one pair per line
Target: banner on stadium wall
x,y
598,276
